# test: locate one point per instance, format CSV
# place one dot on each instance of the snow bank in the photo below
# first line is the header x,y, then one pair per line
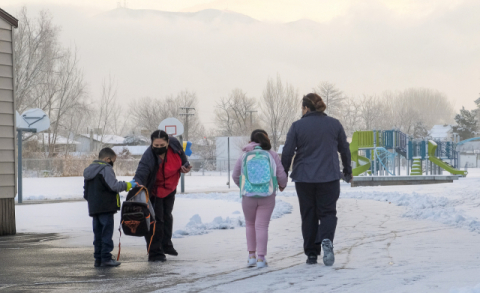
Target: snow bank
x,y
475,289
422,207
196,227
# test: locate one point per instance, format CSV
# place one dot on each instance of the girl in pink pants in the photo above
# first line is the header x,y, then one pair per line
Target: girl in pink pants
x,y
258,211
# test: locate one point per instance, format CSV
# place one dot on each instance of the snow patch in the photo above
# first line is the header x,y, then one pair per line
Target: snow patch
x,y
475,289
196,227
422,207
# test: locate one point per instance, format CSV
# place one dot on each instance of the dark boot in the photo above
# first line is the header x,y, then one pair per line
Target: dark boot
x,y
98,262
110,263
312,259
170,250
157,258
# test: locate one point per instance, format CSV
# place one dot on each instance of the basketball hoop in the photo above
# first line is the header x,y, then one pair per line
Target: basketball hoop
x,y
171,126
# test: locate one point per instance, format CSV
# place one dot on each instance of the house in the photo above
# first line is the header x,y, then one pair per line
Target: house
x,y
95,142
469,153
8,175
40,143
441,132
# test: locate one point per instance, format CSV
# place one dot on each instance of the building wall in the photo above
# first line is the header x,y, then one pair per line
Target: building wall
x,y
7,114
8,182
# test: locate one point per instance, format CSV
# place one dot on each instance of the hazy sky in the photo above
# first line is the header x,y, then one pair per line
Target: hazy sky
x,y
266,10
364,47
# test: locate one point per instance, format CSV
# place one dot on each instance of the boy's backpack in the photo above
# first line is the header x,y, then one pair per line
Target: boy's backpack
x,y
258,177
137,216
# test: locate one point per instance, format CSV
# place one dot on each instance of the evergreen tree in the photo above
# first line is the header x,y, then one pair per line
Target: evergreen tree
x,y
466,124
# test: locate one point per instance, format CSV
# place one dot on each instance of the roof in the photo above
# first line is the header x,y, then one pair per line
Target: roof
x,y
106,138
440,131
8,18
60,140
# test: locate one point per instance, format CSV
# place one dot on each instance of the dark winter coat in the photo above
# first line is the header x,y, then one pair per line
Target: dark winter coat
x,y
147,169
315,140
101,188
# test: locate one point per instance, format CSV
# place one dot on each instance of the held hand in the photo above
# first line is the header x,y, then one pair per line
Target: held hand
x,y
134,184
348,178
281,188
185,169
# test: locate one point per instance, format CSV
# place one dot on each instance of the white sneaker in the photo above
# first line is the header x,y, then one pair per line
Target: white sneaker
x,y
252,261
262,263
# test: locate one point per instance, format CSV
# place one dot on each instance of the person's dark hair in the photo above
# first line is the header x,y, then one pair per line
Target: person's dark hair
x,y
314,102
159,134
106,153
260,136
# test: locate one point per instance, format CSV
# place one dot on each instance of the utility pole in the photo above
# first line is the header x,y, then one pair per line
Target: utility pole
x,y
186,114
251,116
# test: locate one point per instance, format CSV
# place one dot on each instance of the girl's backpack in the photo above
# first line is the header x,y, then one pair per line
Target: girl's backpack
x,y
137,214
258,177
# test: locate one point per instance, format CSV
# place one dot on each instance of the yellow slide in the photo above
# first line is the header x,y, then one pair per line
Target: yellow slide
x,y
432,146
362,163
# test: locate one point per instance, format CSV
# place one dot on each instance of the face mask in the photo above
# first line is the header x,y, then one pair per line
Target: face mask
x,y
111,163
159,151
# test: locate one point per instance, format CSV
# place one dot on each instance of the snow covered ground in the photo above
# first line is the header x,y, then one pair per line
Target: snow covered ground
x,y
418,238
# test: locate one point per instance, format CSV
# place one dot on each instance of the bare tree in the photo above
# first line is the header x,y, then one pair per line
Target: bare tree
x,y
280,107
234,114
36,51
109,116
350,116
371,112
147,113
47,76
332,97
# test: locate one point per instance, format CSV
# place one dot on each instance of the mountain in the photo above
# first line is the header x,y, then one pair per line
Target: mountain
x,y
205,16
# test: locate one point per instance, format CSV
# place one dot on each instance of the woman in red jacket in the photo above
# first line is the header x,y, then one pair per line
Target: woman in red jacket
x,y
159,170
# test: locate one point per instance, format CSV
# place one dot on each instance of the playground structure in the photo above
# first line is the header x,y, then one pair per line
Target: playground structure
x,y
381,152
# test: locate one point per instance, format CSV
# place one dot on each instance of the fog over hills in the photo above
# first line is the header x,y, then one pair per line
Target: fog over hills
x,y
368,50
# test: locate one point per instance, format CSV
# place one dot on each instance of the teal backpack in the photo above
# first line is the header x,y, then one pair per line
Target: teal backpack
x,y
258,177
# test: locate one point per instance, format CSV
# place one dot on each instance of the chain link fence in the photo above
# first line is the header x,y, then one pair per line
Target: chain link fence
x,y
67,167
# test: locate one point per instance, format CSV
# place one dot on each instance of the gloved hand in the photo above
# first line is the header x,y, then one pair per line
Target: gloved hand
x,y
133,183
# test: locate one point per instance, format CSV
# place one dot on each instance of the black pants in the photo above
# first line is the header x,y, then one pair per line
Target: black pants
x,y
318,202
102,236
164,227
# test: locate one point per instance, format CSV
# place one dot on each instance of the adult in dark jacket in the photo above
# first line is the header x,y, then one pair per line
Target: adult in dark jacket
x,y
159,170
316,139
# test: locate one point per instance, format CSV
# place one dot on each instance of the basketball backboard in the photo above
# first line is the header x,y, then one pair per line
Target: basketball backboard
x,y
34,119
172,126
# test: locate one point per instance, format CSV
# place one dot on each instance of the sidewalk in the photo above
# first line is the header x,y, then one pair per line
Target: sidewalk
x,y
377,250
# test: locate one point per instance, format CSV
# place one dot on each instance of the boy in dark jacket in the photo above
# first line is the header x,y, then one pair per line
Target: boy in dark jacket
x,y
101,190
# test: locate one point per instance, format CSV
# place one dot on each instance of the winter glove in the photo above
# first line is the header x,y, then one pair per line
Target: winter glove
x,y
131,184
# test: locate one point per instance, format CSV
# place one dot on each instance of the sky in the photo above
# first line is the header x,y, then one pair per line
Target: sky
x,y
364,47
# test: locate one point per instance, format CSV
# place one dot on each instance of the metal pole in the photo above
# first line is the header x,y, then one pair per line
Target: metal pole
x,y
20,191
408,155
394,151
374,153
228,140
182,178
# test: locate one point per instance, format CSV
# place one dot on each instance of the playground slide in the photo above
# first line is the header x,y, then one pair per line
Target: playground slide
x,y
432,146
362,168
447,167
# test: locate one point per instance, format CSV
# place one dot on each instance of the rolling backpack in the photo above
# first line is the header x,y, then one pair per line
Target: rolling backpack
x,y
258,177
137,215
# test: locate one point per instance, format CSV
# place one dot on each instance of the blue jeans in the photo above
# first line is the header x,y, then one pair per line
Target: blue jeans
x,y
103,233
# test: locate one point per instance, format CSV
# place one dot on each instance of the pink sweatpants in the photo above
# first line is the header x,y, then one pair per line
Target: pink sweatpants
x,y
257,213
